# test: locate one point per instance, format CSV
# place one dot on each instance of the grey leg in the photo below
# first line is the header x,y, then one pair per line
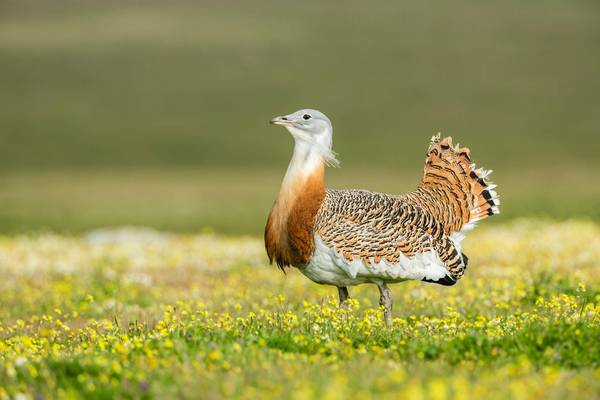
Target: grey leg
x,y
385,300
344,295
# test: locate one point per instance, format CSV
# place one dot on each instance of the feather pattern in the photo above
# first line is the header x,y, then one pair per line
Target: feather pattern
x,y
377,228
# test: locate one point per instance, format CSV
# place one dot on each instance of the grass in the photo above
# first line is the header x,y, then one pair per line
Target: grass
x,y
140,314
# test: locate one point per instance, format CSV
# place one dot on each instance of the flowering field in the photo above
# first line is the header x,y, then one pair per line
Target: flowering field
x,y
139,314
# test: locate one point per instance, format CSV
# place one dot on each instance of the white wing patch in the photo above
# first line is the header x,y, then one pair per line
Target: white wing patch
x,y
328,267
457,237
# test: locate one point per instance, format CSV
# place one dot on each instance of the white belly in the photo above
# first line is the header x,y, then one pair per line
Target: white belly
x,y
326,266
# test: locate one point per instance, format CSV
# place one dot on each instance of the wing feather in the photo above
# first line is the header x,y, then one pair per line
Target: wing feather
x,y
374,227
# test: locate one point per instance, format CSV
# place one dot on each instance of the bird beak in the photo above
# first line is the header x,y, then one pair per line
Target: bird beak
x,y
282,120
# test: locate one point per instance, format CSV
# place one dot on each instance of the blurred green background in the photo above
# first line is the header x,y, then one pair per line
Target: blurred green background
x,y
155,113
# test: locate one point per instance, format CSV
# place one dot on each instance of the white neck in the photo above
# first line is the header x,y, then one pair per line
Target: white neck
x,y
305,160
311,151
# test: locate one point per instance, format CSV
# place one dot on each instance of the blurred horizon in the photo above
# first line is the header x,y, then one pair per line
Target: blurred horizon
x,y
156,113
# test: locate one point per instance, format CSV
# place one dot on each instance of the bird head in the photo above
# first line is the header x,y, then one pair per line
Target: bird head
x,y
310,128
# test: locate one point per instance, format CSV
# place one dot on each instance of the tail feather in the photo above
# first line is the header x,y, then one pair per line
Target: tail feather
x,y
487,199
465,190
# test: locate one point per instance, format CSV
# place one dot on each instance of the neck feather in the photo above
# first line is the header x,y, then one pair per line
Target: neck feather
x,y
289,232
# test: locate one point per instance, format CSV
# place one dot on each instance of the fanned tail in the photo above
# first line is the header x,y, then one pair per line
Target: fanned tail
x,y
459,193
455,195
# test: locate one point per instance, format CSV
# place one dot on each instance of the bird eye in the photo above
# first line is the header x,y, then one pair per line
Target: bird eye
x,y
306,116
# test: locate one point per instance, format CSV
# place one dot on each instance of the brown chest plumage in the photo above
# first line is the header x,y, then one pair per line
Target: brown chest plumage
x,y
289,238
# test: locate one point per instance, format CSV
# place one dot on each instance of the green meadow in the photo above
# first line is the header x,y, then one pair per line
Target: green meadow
x,y
140,314
137,169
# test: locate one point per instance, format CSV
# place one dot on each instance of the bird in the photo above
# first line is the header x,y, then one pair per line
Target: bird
x,y
349,237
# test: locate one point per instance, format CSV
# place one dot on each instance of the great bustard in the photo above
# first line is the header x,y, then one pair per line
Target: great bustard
x,y
349,237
